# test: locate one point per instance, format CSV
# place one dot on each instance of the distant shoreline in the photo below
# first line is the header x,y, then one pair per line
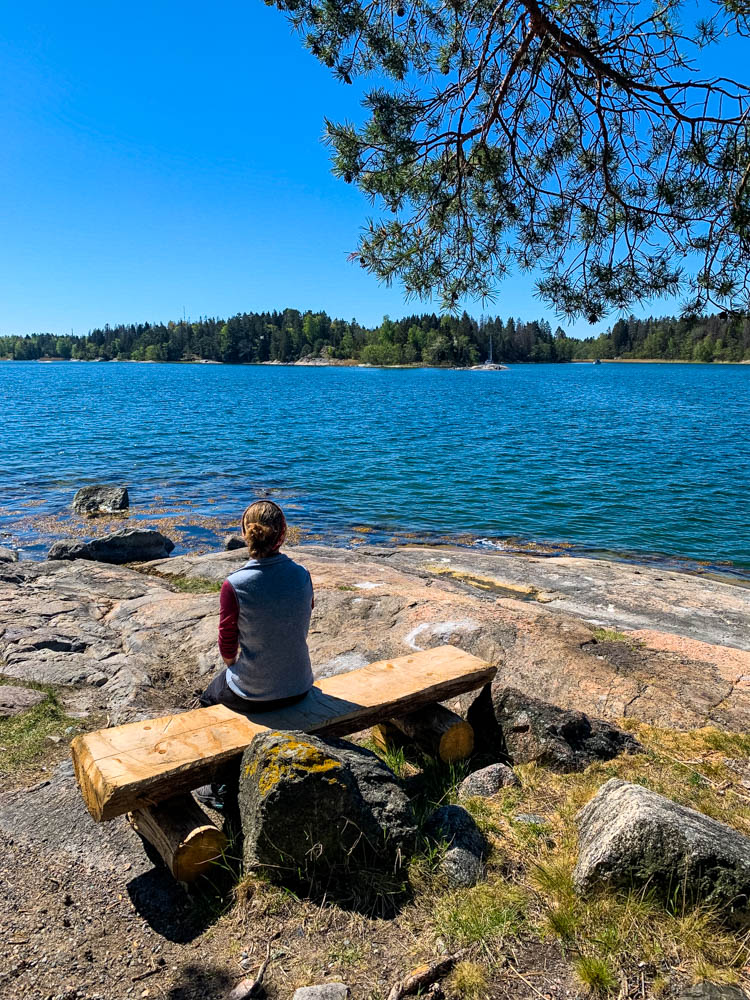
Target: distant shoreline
x,y
354,363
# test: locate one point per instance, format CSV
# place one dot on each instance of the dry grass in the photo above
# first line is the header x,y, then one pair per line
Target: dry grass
x,y
608,935
609,943
469,979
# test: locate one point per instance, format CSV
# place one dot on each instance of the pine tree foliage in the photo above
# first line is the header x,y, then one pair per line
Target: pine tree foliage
x,y
576,139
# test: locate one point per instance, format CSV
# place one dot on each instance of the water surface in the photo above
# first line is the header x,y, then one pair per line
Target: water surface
x,y
637,459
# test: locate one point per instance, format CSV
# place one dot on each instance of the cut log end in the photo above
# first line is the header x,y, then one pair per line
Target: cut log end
x,y
182,833
436,730
457,743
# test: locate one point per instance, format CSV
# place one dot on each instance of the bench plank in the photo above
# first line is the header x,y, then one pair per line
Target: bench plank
x,y
141,763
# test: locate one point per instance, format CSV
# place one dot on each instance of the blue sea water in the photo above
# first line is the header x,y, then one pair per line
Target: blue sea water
x,y
639,459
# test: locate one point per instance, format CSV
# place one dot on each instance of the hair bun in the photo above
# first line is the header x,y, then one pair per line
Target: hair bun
x,y
263,527
259,532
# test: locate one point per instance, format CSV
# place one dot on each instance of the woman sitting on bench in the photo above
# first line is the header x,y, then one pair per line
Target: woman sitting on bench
x,y
264,618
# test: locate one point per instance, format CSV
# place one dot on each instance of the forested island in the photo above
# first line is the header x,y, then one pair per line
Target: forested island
x,y
429,339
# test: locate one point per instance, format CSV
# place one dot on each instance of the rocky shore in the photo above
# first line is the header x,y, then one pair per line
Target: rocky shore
x,y
618,642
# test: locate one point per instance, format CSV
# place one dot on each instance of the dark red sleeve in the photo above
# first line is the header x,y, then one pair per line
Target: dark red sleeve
x,y
229,612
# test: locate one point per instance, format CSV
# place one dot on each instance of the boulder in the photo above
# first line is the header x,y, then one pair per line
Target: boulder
x,y
234,542
101,500
14,700
463,863
630,835
8,555
487,782
712,991
321,812
127,545
508,723
328,991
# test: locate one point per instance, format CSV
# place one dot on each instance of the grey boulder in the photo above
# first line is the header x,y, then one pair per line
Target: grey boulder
x,y
101,500
487,782
463,863
321,811
234,542
14,700
8,555
712,991
525,729
127,545
630,835
328,991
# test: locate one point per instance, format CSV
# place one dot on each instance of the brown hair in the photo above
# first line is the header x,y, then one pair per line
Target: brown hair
x,y
263,525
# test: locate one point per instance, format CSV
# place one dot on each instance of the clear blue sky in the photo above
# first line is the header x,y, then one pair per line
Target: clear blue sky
x,y
157,156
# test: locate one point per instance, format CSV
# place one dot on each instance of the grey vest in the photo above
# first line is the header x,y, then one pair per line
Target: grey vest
x,y
275,600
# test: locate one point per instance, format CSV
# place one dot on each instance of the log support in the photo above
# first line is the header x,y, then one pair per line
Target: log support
x,y
435,729
184,836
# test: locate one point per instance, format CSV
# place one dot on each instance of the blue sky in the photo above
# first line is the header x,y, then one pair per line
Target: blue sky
x,y
160,157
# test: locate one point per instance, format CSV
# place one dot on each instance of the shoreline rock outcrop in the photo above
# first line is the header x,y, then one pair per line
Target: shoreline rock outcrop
x,y
125,546
151,646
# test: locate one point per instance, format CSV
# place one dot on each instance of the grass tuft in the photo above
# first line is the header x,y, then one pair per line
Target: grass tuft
x,y
194,584
469,980
488,912
24,737
596,973
611,635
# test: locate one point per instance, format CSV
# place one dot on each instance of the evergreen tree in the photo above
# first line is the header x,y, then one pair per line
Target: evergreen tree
x,y
581,139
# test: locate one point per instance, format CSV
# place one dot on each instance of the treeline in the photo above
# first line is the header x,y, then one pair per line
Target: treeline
x,y
420,339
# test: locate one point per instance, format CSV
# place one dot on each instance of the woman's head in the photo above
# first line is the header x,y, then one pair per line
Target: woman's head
x,y
263,528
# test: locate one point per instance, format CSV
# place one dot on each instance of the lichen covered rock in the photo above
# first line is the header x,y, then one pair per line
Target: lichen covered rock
x,y
316,811
630,835
508,723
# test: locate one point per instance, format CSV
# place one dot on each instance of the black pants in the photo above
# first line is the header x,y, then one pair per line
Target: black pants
x,y
219,692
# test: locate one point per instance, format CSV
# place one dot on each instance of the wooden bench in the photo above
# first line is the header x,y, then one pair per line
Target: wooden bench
x,y
135,767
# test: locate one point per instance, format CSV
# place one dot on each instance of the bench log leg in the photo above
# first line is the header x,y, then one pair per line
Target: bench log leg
x,y
436,730
182,833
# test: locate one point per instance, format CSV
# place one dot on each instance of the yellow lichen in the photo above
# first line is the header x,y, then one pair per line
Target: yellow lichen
x,y
289,756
